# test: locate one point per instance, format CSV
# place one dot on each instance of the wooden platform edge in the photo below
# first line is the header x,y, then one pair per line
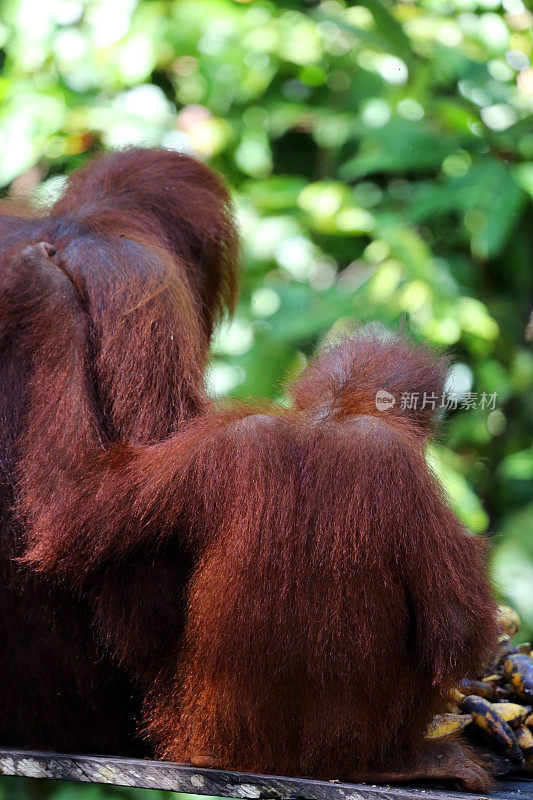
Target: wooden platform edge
x,y
191,780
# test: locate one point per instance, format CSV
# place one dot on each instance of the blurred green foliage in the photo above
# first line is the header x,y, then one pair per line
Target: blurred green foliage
x,y
381,156
35,789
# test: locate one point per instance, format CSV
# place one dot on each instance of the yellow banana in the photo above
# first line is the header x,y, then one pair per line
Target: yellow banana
x,y
480,688
519,672
455,696
509,620
446,727
496,729
504,649
524,737
513,713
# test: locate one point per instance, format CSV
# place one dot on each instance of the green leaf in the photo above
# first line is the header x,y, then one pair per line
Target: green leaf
x,y
400,146
389,28
500,199
276,193
488,197
518,465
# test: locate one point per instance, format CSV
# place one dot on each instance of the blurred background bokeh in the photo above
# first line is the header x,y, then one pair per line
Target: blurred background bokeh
x,y
381,158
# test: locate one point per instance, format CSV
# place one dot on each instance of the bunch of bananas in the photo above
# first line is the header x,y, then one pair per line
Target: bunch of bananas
x,y
494,710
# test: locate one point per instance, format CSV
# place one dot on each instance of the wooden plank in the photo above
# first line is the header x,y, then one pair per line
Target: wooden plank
x,y
184,778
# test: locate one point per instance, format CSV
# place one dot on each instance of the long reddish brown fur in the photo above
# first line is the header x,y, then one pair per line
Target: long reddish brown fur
x,y
288,590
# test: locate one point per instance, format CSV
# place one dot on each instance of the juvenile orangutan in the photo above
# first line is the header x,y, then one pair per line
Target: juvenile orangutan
x,y
286,591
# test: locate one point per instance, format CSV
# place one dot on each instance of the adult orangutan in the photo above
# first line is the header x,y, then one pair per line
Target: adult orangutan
x,y
270,589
